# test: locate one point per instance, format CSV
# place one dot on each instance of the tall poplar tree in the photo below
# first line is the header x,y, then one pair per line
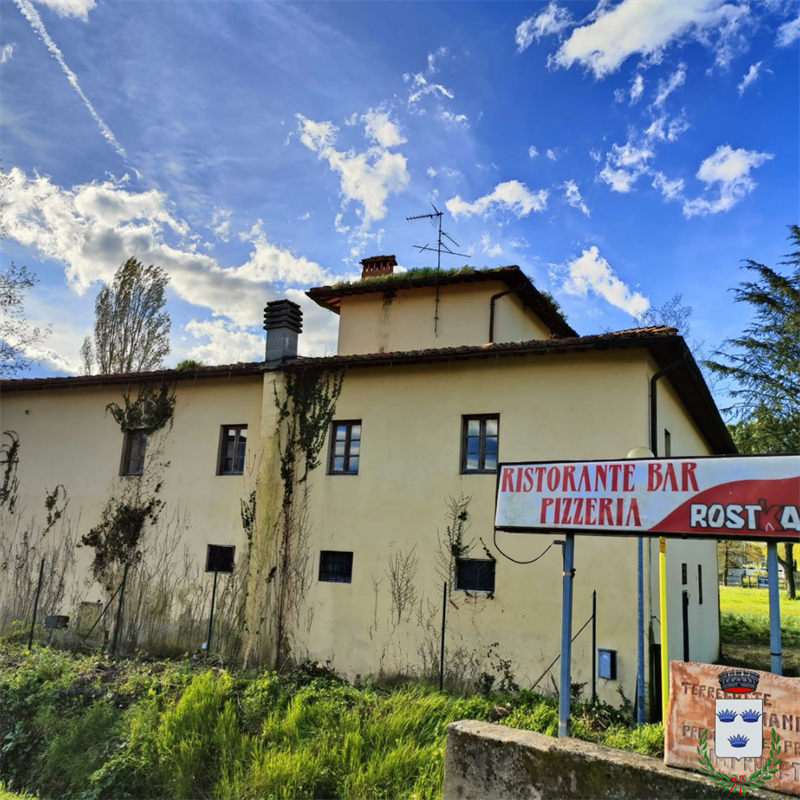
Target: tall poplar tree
x,y
131,325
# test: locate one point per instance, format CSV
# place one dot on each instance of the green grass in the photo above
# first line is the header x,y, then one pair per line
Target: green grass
x,y
418,274
744,629
86,727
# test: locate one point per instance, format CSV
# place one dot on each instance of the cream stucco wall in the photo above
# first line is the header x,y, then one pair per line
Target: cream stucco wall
x,y
686,439
66,437
550,408
370,324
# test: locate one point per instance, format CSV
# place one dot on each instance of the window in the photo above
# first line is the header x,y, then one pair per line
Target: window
x,y
345,448
684,576
667,443
479,439
700,584
336,566
475,575
219,558
232,447
133,448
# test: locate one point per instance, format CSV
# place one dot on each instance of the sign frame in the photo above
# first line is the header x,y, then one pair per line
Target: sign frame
x,y
706,534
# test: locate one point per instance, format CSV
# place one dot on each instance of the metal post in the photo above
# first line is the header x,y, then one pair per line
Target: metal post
x,y
662,602
594,646
36,604
566,636
211,615
640,632
441,651
775,656
119,610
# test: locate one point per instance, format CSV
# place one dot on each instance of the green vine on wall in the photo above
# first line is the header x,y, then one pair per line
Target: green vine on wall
x,y
150,411
305,413
9,459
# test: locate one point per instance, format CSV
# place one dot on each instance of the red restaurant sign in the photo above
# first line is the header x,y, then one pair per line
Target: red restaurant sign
x,y
750,497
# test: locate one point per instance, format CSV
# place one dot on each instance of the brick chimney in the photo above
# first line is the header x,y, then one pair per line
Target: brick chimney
x,y
377,265
283,322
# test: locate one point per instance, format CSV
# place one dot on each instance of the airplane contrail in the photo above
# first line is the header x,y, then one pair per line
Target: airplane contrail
x,y
32,15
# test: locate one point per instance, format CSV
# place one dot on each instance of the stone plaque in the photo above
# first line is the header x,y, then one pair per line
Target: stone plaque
x,y
697,703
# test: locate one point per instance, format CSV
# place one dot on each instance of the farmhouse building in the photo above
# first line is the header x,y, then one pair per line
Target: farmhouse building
x,y
437,377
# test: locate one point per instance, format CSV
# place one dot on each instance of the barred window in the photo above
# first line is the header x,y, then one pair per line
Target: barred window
x,y
475,574
336,566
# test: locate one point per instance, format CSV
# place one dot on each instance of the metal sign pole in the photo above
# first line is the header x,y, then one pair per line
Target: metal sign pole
x,y
211,615
662,612
36,604
774,609
566,636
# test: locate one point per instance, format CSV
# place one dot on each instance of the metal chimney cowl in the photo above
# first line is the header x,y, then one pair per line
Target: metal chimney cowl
x,y
283,322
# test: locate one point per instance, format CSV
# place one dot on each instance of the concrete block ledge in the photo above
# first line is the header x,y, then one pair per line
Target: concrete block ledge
x,y
485,761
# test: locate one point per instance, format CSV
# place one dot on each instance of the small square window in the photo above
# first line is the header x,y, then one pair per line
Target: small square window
x,y
684,575
133,448
219,558
345,448
232,449
480,436
475,574
336,566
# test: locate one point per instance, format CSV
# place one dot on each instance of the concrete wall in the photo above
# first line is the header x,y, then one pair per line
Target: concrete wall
x,y
484,762
371,324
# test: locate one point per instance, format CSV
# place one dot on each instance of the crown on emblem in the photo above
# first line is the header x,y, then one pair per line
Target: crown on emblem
x,y
751,716
738,740
740,681
726,716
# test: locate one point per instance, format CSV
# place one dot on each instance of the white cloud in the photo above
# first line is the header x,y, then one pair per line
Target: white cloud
x,y
750,77
510,196
70,8
625,164
532,152
591,273
671,189
382,129
445,172
633,27
7,52
366,178
666,88
728,171
553,19
224,343
492,249
32,15
304,217
551,154
221,223
664,129
434,57
453,119
88,230
596,156
421,87
788,33
637,88
573,197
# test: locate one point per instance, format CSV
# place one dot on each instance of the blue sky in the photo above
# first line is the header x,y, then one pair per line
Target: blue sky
x,y
619,152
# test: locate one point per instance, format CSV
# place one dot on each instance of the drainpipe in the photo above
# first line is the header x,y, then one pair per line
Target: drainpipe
x,y
491,310
662,542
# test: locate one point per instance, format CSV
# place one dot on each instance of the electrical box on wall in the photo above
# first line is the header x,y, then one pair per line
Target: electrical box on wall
x,y
606,664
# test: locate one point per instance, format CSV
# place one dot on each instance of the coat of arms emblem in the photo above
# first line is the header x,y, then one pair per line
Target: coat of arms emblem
x,y
738,724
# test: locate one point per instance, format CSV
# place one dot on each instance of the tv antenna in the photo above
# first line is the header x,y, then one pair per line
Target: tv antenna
x,y
441,245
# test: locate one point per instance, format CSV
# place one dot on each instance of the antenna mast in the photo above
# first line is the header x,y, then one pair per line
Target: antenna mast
x,y
441,247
